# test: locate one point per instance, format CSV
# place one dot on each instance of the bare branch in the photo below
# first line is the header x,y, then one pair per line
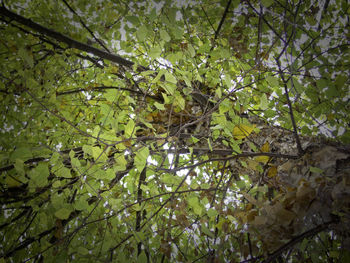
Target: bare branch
x,y
85,26
70,42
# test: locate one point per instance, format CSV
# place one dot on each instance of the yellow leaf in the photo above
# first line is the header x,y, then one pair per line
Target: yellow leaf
x,y
115,69
249,207
262,159
272,172
252,164
149,117
160,142
265,148
241,131
127,143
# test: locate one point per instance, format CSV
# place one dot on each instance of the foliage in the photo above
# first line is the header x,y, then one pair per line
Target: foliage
x,y
218,133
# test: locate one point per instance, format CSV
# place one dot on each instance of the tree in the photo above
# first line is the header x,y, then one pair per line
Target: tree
x,y
219,133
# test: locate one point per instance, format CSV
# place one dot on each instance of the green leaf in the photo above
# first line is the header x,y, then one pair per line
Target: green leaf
x,y
169,88
159,106
81,204
235,3
180,101
340,81
164,35
224,106
87,149
235,147
194,139
209,145
75,161
19,167
274,82
111,95
263,102
170,78
266,3
193,201
55,158
206,231
133,19
96,152
212,213
321,84
345,138
142,258
191,51
96,131
153,14
316,170
155,52
120,163
56,184
26,56
39,175
177,31
241,184
159,75
332,91
141,158
22,153
63,172
142,33
129,128
83,251
62,213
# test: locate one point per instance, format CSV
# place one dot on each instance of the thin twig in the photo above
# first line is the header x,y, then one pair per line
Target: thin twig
x,y
245,154
85,26
300,149
65,120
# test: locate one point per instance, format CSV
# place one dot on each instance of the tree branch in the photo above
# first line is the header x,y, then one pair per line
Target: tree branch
x,y
70,42
101,88
85,26
222,20
139,216
245,154
63,119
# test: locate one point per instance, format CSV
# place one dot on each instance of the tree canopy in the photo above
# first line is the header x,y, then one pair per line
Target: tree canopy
x,y
174,131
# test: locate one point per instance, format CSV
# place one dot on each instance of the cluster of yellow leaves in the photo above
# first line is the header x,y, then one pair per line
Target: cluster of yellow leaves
x,y
242,131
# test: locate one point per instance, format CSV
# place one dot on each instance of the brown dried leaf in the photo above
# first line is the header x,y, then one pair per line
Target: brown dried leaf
x,y
260,220
305,192
328,156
